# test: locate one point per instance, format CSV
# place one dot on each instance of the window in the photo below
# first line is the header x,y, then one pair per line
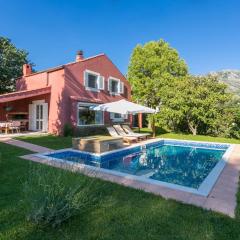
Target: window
x,y
86,116
117,117
115,86
93,81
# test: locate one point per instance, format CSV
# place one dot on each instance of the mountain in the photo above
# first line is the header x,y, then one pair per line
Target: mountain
x,y
231,78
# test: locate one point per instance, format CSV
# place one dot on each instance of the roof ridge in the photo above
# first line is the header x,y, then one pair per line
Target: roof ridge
x,y
66,64
23,91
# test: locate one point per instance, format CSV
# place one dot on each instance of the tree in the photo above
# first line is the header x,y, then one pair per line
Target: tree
x,y
200,103
231,126
11,61
153,70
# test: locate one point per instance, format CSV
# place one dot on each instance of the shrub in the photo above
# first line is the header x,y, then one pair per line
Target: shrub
x,y
52,196
67,130
90,130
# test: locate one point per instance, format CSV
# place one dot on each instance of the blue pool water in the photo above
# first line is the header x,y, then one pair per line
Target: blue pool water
x,y
167,161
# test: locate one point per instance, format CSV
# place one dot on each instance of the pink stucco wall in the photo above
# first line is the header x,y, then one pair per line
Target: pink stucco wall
x,y
58,110
67,82
32,82
74,84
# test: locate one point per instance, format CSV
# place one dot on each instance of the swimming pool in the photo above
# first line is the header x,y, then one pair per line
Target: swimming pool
x,y
185,165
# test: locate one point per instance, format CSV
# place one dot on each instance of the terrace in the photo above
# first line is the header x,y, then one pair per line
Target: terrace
x,y
18,115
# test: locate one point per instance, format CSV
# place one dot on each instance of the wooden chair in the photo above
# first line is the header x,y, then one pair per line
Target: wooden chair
x,y
4,127
15,126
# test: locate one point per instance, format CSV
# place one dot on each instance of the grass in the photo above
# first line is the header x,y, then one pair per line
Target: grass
x,y
121,213
191,137
49,141
55,142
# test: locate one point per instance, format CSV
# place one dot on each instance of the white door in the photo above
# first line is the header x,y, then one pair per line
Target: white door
x,y
38,117
45,117
31,117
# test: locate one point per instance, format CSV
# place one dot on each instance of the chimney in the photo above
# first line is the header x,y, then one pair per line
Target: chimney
x,y
27,69
79,56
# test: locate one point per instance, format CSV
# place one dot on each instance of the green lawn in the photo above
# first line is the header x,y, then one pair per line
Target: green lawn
x,y
199,138
121,213
191,137
55,142
49,141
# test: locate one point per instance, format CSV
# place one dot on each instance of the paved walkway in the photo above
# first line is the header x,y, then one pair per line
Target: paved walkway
x,y
21,134
28,146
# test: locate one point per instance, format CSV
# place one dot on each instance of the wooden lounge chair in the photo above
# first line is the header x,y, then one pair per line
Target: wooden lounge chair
x,y
121,132
128,130
128,139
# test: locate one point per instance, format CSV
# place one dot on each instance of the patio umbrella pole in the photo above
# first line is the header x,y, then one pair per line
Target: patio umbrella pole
x,y
153,126
139,121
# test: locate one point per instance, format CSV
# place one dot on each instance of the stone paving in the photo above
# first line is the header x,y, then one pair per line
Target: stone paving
x,y
222,197
22,144
21,134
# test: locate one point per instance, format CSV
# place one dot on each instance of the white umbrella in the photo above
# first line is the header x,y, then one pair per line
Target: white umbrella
x,y
123,107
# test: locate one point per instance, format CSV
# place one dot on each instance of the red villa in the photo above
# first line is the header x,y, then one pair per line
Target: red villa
x,y
47,100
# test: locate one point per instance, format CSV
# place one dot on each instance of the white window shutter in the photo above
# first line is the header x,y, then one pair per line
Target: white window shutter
x,y
85,78
32,117
100,82
109,84
45,117
121,87
125,116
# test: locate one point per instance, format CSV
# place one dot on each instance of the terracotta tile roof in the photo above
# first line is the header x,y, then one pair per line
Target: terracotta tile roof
x,y
8,97
62,66
84,99
96,100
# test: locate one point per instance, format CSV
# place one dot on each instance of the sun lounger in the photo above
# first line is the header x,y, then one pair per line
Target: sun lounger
x,y
128,139
121,132
128,130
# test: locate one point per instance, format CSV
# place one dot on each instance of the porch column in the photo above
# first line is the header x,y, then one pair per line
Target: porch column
x,y
131,120
140,120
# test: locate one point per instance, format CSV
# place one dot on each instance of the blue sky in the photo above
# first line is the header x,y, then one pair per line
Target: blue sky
x,y
206,33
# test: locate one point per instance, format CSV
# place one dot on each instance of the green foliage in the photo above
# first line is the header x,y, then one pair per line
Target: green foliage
x,y
90,131
153,67
51,199
67,130
11,61
185,136
233,129
198,104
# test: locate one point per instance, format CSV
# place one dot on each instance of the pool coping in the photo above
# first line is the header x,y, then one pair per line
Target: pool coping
x,y
204,189
216,201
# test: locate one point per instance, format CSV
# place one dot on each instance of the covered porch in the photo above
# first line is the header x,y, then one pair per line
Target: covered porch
x,y
24,111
